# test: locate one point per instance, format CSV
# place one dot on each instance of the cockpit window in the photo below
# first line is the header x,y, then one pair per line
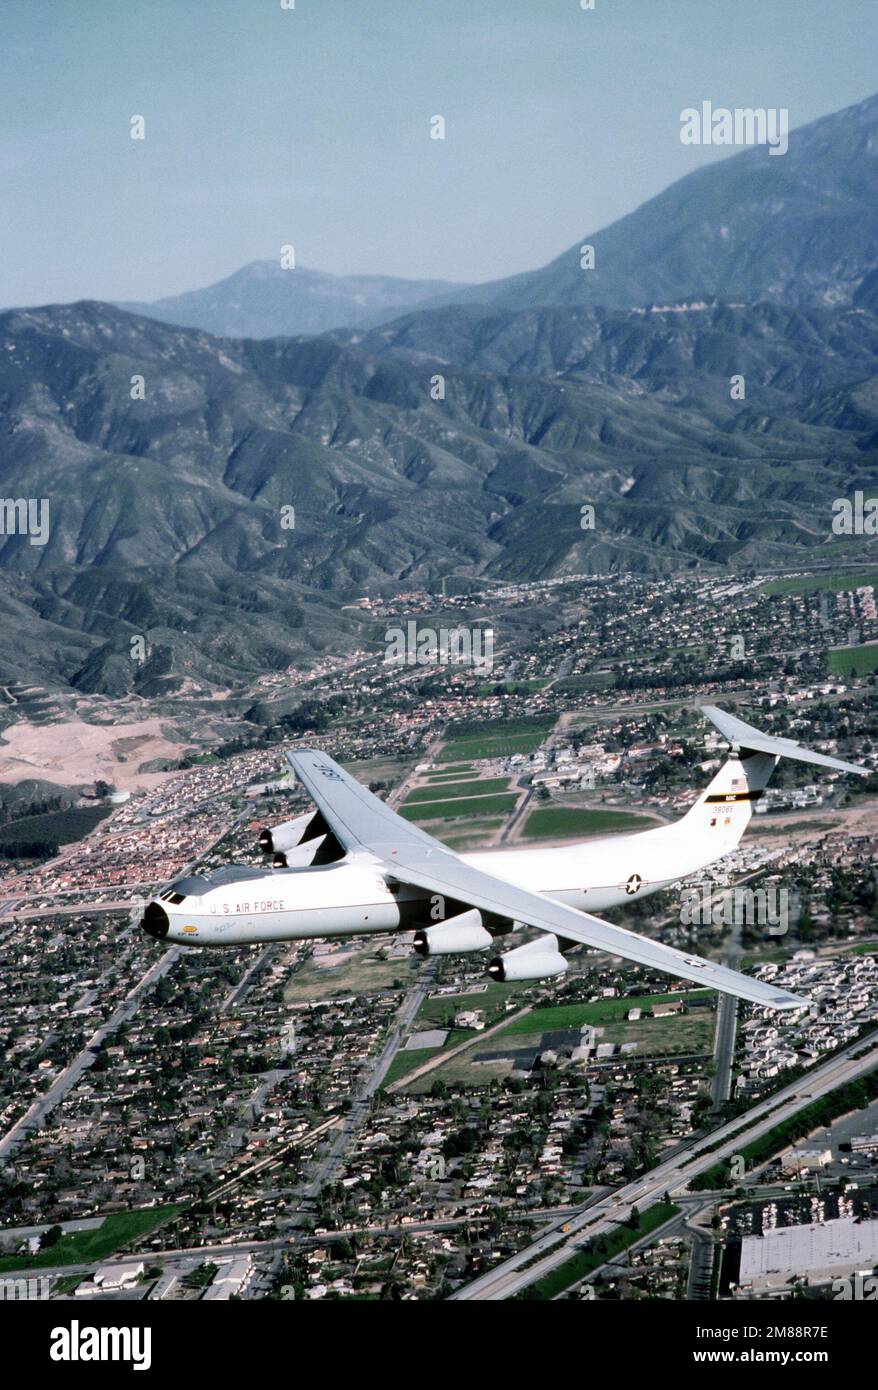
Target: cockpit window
x,y
172,897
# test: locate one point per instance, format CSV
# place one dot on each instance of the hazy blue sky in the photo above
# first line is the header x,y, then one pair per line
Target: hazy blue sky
x,y
311,126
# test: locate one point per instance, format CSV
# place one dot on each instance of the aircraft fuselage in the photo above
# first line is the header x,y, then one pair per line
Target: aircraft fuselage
x,y
349,898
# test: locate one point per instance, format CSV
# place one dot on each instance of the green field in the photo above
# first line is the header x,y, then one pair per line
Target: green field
x,y
860,661
830,583
501,746
537,683
456,789
455,774
601,1011
662,1037
454,810
404,1062
556,822
60,827
594,680
83,1247
488,1001
496,741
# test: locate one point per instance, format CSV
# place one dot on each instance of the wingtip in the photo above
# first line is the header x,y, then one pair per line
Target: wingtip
x,y
788,1002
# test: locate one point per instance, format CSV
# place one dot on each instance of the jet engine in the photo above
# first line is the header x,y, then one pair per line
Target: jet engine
x,y
279,838
301,856
537,960
456,936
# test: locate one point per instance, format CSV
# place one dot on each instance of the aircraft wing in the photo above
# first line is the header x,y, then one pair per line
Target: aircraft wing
x,y
362,823
746,737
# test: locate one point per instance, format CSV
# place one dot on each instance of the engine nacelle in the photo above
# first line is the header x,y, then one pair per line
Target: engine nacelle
x,y
454,937
300,856
537,960
278,839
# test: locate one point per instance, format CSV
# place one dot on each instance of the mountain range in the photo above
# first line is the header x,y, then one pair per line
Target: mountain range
x,y
456,440
800,229
263,300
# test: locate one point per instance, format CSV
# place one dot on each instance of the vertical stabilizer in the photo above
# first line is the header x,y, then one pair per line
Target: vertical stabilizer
x,y
723,810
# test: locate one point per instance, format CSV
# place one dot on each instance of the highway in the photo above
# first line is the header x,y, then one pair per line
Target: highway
x,y
672,1175
724,1049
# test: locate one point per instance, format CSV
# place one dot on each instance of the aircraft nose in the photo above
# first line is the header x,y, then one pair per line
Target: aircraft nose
x,y
155,921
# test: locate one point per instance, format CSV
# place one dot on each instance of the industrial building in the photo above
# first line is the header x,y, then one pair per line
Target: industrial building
x,y
817,1253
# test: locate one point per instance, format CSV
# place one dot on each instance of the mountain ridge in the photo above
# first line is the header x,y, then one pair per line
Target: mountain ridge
x,y
166,512
263,300
801,229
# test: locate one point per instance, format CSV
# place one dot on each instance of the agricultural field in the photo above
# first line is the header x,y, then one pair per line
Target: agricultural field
x,y
838,583
558,822
389,770
60,827
502,746
456,809
477,834
857,661
458,789
767,828
497,741
456,775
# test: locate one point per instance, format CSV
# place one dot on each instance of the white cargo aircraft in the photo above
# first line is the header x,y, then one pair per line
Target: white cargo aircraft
x,y
355,866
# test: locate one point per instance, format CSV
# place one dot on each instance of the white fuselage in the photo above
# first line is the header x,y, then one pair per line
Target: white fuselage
x,y
351,897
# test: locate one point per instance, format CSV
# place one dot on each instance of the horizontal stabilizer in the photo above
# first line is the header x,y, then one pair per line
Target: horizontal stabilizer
x,y
748,739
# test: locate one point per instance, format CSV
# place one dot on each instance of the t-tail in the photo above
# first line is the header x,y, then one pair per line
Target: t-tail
x,y
722,812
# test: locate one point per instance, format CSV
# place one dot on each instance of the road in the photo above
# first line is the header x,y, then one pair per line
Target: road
x,y
701,1262
171,1255
444,1055
38,1112
724,1049
331,1161
239,991
43,1106
515,819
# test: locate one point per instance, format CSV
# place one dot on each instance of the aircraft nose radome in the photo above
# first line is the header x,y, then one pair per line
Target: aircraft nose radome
x,y
155,921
